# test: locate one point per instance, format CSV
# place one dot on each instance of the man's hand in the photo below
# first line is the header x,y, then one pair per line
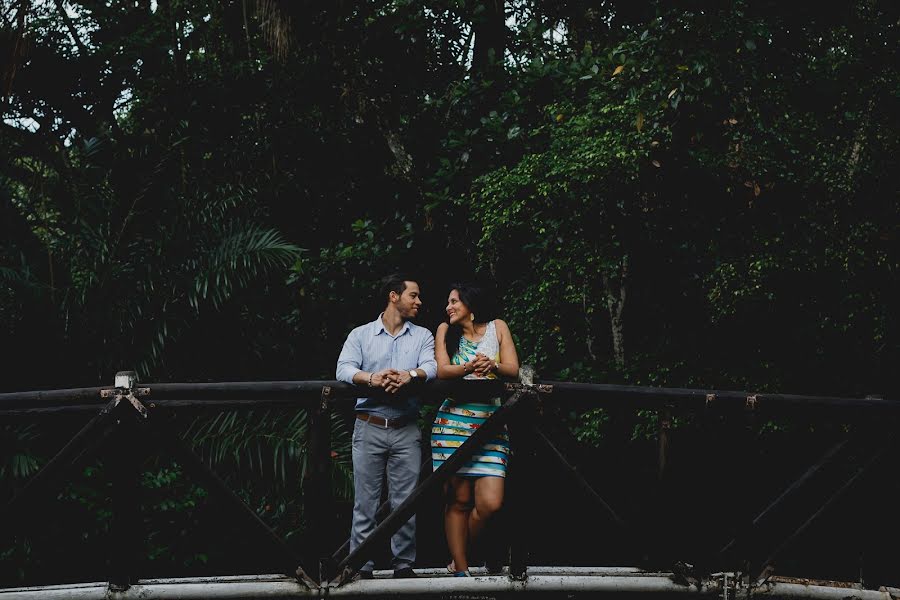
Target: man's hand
x,y
401,379
385,378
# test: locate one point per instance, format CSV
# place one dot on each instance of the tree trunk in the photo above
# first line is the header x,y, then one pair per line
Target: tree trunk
x,y
234,28
859,141
490,39
489,28
615,303
14,43
583,24
588,334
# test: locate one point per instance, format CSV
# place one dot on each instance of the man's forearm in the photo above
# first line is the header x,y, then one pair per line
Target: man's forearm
x,y
362,378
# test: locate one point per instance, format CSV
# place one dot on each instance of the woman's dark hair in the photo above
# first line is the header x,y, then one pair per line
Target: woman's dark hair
x,y
479,302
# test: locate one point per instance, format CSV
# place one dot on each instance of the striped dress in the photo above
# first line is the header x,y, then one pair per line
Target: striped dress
x,y
456,420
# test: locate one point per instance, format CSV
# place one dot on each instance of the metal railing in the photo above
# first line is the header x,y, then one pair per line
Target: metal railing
x,y
129,412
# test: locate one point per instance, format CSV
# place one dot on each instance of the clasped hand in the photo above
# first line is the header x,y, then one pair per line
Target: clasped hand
x,y
390,380
482,365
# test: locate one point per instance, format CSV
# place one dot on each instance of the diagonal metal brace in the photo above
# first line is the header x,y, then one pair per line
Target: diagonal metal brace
x,y
868,463
349,565
541,437
281,553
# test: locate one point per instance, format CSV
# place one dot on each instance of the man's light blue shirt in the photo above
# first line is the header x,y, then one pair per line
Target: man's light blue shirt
x,y
371,348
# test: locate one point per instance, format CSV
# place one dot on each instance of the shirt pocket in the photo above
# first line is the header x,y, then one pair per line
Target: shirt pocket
x,y
409,355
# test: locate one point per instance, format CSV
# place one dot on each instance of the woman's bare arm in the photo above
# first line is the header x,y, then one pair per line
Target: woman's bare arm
x,y
508,365
446,370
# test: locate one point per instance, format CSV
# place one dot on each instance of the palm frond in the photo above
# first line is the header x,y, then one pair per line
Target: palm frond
x,y
20,276
275,22
241,255
270,445
10,275
18,462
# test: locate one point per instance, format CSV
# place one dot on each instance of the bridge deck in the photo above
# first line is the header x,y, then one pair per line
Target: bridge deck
x,y
437,583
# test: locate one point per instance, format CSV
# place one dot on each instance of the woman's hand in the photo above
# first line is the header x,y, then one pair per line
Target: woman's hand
x,y
482,365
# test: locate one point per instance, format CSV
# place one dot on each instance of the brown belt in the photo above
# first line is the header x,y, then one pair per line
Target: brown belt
x,y
382,422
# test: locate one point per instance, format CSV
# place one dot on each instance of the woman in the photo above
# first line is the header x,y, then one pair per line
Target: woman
x,y
470,346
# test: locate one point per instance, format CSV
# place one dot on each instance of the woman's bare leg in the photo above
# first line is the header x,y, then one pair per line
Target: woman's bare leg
x,y
488,500
456,520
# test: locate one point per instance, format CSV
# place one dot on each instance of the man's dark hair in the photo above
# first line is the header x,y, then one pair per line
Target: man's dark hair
x,y
395,282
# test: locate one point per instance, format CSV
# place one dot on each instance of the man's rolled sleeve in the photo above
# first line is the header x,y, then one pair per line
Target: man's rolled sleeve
x,y
350,361
426,358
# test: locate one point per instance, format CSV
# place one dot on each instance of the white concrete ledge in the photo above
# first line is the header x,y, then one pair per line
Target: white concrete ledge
x,y
437,583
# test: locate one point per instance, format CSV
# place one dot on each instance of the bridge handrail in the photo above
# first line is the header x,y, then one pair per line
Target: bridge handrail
x,y
279,393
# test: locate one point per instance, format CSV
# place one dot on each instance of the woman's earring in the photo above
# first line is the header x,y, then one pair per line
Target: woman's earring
x,y
471,316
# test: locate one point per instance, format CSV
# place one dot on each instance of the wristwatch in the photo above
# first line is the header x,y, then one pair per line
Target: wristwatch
x,y
413,373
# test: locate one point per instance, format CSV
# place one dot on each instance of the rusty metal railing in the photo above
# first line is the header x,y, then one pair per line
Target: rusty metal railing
x,y
132,418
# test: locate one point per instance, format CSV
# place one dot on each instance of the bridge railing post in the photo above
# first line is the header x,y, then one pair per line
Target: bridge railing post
x,y
124,539
662,499
521,477
317,494
124,458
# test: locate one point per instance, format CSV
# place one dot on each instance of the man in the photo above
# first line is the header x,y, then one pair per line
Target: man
x,y
389,353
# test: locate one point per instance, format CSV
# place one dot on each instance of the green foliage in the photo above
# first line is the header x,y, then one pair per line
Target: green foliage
x,y
269,447
590,425
348,269
16,448
242,255
581,196
690,196
719,153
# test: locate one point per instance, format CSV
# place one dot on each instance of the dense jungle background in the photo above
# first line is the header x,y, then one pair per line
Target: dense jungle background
x,y
695,194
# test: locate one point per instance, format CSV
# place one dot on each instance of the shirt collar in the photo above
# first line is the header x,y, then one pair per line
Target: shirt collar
x,y
379,327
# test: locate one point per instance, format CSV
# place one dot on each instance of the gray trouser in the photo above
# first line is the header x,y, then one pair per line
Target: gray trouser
x,y
398,452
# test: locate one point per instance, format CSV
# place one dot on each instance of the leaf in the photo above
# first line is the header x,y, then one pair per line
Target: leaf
x,y
673,92
656,164
618,70
639,122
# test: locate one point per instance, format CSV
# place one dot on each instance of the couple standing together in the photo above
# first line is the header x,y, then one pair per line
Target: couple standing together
x,y
392,353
